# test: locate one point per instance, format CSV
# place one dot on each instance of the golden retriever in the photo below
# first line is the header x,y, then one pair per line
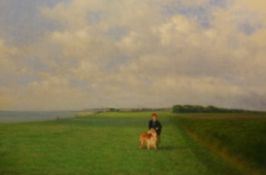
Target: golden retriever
x,y
148,139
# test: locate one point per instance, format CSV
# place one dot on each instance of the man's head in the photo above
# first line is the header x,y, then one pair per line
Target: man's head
x,y
154,116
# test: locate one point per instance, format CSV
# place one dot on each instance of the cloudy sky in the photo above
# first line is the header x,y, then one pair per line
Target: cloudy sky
x,y
76,54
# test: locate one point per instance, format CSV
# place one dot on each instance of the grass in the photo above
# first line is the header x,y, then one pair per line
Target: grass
x,y
238,137
104,143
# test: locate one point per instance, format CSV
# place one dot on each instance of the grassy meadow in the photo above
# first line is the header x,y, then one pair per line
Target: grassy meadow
x,y
107,143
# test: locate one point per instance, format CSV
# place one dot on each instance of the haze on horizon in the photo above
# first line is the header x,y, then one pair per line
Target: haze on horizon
x,y
78,54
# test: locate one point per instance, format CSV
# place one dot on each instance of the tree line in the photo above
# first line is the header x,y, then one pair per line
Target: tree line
x,y
201,109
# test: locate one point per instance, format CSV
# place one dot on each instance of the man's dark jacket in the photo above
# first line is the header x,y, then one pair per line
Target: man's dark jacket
x,y
155,125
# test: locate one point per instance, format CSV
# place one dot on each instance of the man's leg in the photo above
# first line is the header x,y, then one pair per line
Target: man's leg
x,y
158,140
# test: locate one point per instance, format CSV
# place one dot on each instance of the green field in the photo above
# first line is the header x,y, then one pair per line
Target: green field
x,y
107,143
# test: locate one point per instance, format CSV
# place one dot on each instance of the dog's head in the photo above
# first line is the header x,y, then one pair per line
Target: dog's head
x,y
153,132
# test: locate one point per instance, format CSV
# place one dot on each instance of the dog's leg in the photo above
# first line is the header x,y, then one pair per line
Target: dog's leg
x,y
141,144
148,146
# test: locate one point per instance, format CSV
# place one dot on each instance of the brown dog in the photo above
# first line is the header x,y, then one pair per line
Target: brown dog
x,y
148,139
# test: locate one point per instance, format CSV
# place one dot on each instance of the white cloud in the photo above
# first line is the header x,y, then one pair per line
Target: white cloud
x,y
6,54
8,70
153,59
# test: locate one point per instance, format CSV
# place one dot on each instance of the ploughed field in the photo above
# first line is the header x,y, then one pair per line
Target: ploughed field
x,y
239,138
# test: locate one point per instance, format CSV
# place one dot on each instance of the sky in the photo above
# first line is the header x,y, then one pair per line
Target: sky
x,y
79,54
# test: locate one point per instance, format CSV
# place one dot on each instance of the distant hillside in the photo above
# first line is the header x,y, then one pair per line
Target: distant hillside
x,y
202,109
111,109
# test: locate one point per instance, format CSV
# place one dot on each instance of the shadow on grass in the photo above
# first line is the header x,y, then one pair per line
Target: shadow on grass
x,y
168,148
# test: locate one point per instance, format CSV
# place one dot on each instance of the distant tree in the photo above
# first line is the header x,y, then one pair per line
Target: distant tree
x,y
114,110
